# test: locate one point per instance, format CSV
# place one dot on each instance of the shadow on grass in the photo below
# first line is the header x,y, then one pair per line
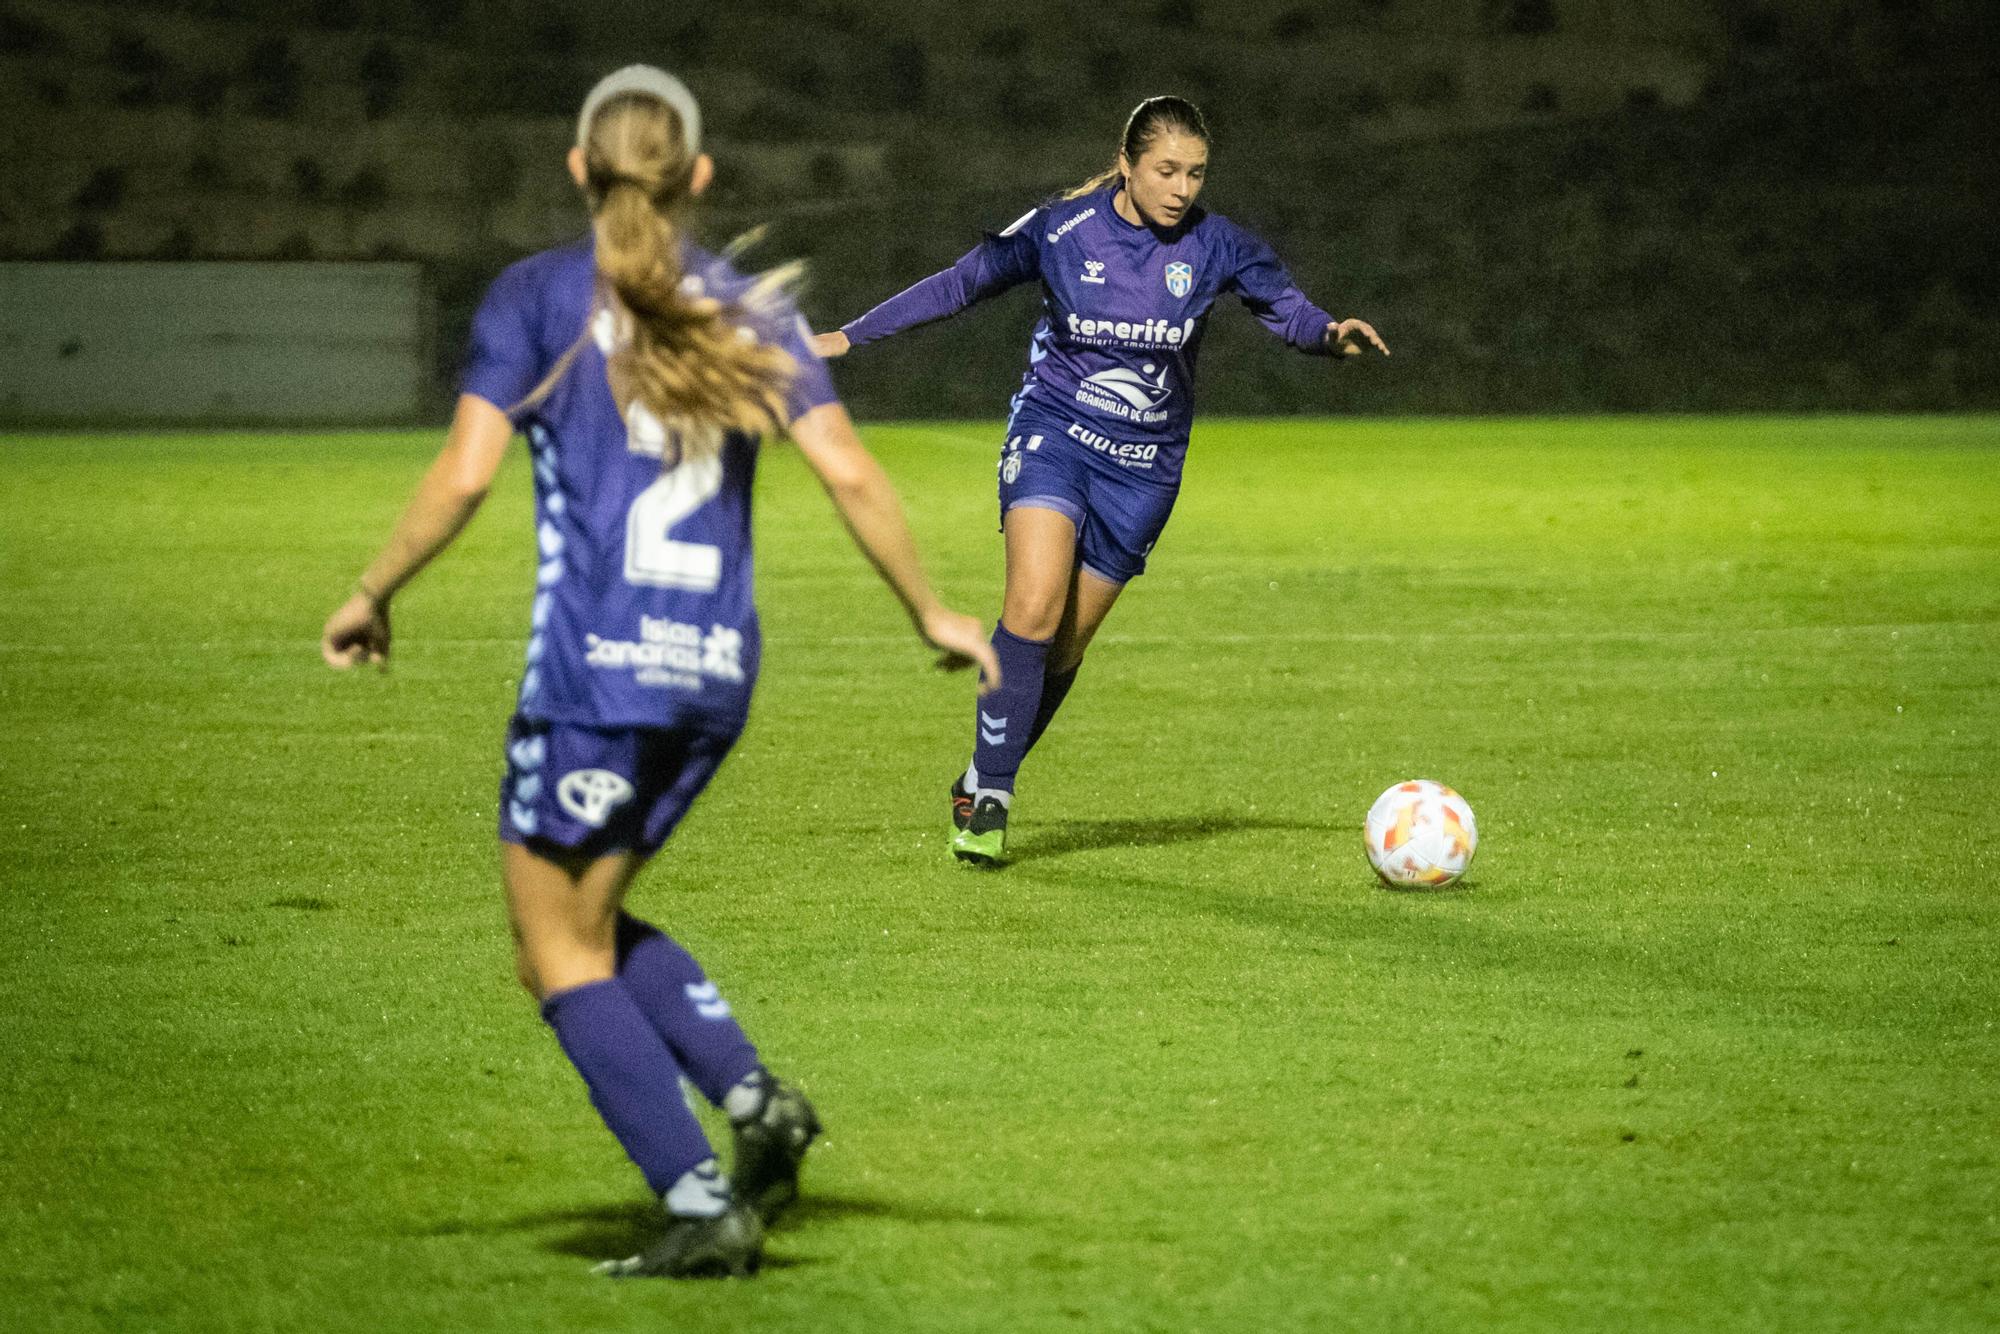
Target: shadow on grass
x,y
813,1208
1295,918
604,1231
1066,837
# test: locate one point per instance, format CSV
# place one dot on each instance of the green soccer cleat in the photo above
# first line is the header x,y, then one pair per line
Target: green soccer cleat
x,y
729,1245
983,841
771,1144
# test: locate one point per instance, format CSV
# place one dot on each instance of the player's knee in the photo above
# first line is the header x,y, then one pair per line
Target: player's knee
x,y
558,967
1032,615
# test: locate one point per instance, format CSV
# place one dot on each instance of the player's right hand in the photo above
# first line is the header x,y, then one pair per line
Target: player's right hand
x,y
358,631
961,642
831,345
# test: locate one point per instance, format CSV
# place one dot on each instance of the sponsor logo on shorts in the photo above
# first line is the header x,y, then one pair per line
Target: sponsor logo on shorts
x,y
1064,230
1180,278
1123,454
592,794
671,653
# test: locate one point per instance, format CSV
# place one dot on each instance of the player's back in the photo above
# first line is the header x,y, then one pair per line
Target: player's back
x,y
644,612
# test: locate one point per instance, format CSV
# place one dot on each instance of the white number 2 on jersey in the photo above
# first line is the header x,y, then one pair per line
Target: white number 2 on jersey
x,y
652,557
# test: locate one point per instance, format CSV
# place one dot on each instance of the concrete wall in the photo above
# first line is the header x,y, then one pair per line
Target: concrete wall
x,y
215,344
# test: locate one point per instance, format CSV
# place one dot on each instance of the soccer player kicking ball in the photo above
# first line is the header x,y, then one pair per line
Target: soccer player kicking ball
x,y
643,370
1129,268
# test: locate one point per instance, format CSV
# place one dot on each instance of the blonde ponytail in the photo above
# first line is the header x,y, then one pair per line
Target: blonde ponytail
x,y
691,357
1110,176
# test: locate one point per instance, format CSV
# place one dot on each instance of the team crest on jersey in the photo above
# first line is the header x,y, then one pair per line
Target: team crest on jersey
x,y
1180,278
592,794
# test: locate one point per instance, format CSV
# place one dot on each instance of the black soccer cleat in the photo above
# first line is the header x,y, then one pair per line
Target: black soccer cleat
x,y
983,841
961,805
771,1144
729,1245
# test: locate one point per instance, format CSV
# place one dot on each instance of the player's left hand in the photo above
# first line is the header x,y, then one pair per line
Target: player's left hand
x,y
1344,337
961,641
358,631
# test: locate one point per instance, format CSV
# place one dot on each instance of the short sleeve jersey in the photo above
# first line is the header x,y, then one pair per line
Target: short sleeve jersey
x,y
644,612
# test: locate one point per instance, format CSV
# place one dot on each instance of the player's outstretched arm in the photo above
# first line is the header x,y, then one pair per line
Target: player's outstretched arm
x,y
1000,261
446,499
868,505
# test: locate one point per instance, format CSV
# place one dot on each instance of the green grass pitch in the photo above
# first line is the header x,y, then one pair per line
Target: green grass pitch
x,y
1707,1042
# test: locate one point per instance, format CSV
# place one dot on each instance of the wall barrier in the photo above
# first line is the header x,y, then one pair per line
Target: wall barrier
x,y
214,344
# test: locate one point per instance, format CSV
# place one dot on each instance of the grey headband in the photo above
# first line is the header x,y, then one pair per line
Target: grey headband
x,y
653,83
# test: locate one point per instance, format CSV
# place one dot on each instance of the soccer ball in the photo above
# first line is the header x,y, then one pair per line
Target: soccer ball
x,y
1420,835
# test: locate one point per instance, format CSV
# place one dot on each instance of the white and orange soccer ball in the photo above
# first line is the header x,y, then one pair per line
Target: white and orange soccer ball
x,y
1420,835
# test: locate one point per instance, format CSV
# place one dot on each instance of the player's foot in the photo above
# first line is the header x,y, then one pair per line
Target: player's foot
x,y
771,1144
961,804
729,1245
983,841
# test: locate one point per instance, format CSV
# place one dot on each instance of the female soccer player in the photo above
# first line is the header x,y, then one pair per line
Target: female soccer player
x,y
1129,268
642,370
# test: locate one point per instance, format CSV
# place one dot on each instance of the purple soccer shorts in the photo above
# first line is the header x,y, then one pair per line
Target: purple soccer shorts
x,y
597,790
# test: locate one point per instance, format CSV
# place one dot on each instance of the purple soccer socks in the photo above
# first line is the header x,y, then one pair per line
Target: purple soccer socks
x,y
1005,724
633,1079
685,1008
1055,689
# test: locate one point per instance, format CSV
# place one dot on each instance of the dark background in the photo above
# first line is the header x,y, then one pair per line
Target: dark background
x,y
1545,205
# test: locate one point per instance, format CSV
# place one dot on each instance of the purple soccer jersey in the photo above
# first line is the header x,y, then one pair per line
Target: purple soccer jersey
x,y
643,613
1123,311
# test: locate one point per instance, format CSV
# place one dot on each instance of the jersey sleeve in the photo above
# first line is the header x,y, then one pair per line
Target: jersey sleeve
x,y
504,361
1260,280
812,386
1001,260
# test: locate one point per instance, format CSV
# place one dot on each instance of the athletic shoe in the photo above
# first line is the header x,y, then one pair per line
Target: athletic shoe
x,y
729,1245
961,804
983,841
771,1145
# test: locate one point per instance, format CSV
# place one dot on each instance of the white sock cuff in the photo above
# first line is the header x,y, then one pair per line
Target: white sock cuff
x,y
701,1192
746,1098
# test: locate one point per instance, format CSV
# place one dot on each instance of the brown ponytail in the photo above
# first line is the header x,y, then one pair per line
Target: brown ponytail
x,y
1146,123
692,358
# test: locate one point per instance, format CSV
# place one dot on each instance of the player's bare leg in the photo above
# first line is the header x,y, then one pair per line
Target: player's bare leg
x,y
564,916
1091,598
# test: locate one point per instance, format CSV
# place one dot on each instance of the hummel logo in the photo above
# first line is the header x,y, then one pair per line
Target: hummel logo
x,y
993,731
707,1000
1093,270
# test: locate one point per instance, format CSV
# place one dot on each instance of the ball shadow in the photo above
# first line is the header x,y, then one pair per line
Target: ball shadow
x,y
1067,837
